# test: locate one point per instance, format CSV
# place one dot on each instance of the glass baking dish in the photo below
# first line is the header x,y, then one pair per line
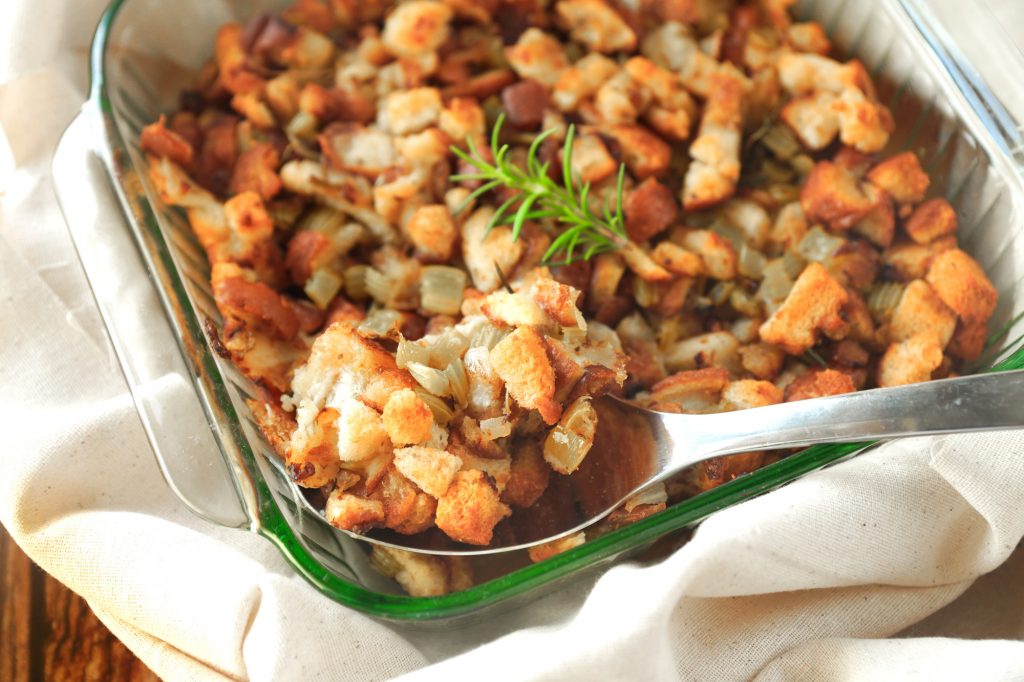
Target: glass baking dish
x,y
150,280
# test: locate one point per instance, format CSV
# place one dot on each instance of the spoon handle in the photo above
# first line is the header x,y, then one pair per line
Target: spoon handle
x,y
976,403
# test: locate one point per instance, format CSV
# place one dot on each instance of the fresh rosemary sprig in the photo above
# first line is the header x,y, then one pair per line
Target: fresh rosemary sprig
x,y
537,197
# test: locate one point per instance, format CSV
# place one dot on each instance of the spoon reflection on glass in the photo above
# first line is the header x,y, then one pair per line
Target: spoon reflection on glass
x,y
636,448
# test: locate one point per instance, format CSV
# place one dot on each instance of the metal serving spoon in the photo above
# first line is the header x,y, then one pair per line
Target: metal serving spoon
x,y
636,448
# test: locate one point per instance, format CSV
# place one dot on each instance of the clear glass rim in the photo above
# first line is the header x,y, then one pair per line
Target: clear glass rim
x,y
272,524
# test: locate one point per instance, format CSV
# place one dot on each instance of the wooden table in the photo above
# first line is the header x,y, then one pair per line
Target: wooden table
x,y
47,632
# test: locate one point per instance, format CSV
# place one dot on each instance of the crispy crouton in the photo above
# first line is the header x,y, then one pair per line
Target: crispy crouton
x,y
538,56
591,161
640,262
716,251
921,309
160,141
678,260
968,341
596,25
521,361
507,310
239,295
353,147
361,431
256,171
833,195
649,209
470,509
962,285
620,99
879,224
407,418
908,261
714,349
432,231
547,550
808,37
558,300
762,360
747,394
818,384
902,177
812,119
430,469
813,305
931,220
488,252
462,119
644,153
528,478
417,27
410,111
910,361
697,391
582,80
421,575
715,167
354,513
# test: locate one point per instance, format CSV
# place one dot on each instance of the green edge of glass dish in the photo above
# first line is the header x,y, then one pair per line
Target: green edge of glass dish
x,y
273,525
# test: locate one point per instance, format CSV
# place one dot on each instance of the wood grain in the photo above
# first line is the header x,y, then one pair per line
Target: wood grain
x,y
47,632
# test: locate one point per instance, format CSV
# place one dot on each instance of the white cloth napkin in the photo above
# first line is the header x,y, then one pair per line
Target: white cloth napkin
x,y
803,583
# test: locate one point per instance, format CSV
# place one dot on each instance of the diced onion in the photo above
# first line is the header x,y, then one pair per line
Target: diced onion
x,y
570,441
655,494
781,142
458,382
751,262
441,289
380,287
818,245
433,380
793,264
883,298
322,287
322,219
496,427
720,292
647,294
776,284
745,303
724,228
411,351
382,323
355,282
445,348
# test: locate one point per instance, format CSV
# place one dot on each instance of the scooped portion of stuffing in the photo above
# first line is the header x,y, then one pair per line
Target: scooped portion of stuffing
x,y
427,363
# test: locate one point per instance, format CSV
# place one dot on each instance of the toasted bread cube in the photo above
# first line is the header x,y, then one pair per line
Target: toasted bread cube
x,y
908,261
416,28
962,285
421,575
716,251
620,99
407,418
921,309
470,508
714,349
812,119
547,550
351,512
879,225
931,220
558,300
902,177
678,260
698,390
521,360
353,147
507,310
818,384
361,432
863,124
763,360
644,153
432,231
640,262
596,25
813,305
833,195
528,477
486,252
591,161
808,37
968,342
525,103
582,80
748,393
162,142
649,209
410,111
715,167
430,469
910,361
538,56
463,118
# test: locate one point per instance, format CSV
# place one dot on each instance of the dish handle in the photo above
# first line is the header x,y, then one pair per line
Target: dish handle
x,y
163,389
